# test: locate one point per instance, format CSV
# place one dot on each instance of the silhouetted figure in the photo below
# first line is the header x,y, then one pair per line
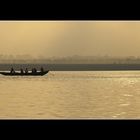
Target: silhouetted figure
x,y
32,70
21,70
42,70
35,70
26,70
12,70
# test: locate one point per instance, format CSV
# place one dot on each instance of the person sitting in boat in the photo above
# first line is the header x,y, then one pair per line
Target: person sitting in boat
x,y
21,70
32,70
35,70
26,70
42,70
12,70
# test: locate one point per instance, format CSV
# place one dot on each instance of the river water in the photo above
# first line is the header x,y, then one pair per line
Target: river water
x,y
71,95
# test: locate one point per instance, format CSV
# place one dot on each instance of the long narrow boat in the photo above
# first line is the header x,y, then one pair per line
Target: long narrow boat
x,y
24,74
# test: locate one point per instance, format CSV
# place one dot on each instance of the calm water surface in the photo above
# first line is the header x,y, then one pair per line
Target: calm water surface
x,y
102,94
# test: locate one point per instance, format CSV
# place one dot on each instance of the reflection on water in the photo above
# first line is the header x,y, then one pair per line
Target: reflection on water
x,y
97,94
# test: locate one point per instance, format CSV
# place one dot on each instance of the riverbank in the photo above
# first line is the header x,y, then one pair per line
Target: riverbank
x,y
73,67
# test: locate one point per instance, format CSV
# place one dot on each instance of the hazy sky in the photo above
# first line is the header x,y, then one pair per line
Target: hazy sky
x,y
70,38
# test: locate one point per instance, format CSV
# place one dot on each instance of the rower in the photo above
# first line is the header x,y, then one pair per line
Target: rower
x,y
21,70
32,70
12,70
35,70
42,70
26,70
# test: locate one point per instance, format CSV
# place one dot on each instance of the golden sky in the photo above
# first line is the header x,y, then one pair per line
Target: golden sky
x,y
70,38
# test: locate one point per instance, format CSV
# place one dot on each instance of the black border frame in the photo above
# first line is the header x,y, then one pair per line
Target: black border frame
x,y
76,126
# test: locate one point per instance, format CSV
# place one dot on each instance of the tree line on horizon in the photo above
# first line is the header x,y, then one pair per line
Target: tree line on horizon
x,y
69,59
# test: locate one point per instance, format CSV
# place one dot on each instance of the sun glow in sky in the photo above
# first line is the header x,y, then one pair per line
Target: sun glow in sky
x,y
70,38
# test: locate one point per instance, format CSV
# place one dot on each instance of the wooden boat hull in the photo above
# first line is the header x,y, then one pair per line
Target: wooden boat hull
x,y
24,74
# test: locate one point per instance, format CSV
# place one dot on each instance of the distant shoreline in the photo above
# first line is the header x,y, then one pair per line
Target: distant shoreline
x,y
73,67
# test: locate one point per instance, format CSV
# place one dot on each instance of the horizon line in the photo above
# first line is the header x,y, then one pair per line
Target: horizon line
x,y
69,21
